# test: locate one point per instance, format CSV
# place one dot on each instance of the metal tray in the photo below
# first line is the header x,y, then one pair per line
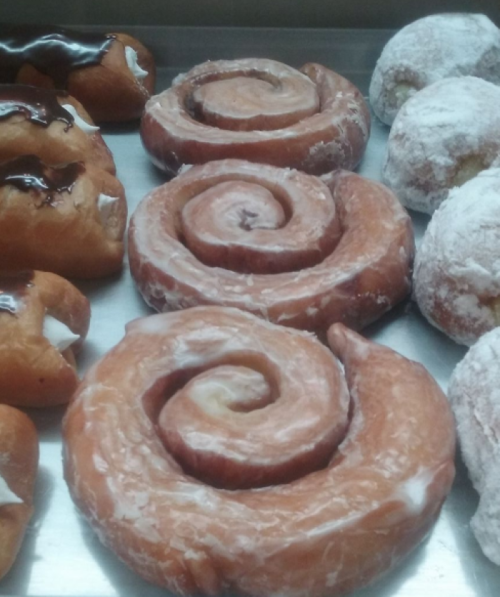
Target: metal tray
x,y
61,555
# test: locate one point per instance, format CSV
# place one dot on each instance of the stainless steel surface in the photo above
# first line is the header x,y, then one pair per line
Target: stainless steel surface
x,y
61,555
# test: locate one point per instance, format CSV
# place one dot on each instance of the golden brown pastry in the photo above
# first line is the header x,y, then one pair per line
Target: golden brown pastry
x,y
111,74
276,242
43,322
69,220
18,468
51,125
258,110
335,473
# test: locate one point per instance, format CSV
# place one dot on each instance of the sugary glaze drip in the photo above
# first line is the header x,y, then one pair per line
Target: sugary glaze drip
x,y
53,51
244,403
259,110
13,288
37,104
473,394
276,242
29,173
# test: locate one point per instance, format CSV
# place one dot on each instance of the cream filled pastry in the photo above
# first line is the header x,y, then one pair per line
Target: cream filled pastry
x,y
69,220
217,453
51,125
43,322
111,74
257,110
276,242
18,468
430,49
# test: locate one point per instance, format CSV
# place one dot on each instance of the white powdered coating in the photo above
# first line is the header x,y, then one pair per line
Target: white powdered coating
x,y
441,137
131,58
58,334
474,393
6,495
90,129
457,268
431,49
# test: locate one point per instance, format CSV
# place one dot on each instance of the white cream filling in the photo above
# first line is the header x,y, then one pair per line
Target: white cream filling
x,y
57,333
105,205
79,122
131,58
6,495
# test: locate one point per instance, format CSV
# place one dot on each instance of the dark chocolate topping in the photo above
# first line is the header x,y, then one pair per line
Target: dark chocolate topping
x,y
13,289
29,173
37,104
51,50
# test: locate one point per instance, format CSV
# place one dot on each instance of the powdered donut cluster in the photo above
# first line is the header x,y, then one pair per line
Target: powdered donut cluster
x,y
457,269
431,49
275,242
442,137
474,396
257,110
339,507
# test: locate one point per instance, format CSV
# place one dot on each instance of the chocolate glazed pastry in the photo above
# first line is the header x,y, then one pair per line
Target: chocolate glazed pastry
x,y
69,220
50,124
111,74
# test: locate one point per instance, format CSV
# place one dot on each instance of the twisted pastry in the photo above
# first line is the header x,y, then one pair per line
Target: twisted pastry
x,y
69,220
111,74
18,468
43,322
345,258
258,110
51,125
328,492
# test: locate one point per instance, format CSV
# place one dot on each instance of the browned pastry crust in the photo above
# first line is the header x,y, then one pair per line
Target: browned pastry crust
x,y
56,143
18,466
33,372
63,232
109,91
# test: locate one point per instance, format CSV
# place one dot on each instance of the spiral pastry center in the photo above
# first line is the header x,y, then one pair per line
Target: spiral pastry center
x,y
258,102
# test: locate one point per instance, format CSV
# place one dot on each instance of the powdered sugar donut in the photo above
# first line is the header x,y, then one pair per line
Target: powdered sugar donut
x,y
442,137
430,49
474,393
457,269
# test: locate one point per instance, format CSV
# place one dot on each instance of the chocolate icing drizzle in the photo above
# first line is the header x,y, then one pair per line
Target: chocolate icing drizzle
x,y
53,51
37,104
13,289
29,173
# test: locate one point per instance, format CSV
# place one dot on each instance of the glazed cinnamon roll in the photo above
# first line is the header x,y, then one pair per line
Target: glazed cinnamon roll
x,y
18,468
43,322
278,243
214,452
258,110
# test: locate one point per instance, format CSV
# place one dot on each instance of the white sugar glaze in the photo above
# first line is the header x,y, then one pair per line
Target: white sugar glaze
x,y
326,533
457,268
430,49
443,136
7,496
474,393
